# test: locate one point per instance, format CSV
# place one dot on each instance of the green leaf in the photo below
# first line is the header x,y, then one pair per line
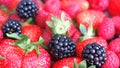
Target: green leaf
x,y
62,16
82,64
50,24
75,64
13,35
90,29
37,50
83,29
1,57
93,66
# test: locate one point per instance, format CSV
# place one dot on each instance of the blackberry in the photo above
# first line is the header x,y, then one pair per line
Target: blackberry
x,y
61,46
27,9
94,54
11,26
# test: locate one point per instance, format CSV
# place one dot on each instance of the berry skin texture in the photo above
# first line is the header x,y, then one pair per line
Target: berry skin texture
x,y
99,4
32,31
66,62
27,9
11,26
115,45
90,16
12,56
61,46
116,20
1,35
33,61
94,54
114,7
80,45
106,29
112,60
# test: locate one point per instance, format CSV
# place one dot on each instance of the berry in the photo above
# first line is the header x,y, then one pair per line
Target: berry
x,y
1,35
99,4
66,62
11,26
114,7
61,46
106,29
94,54
27,9
80,45
90,16
114,45
112,60
32,31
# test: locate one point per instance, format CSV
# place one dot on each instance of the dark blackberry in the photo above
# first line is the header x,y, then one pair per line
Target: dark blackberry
x,y
94,54
61,46
11,26
27,8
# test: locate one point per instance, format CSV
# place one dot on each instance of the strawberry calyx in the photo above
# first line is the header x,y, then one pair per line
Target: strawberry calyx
x,y
82,64
1,57
59,26
24,43
87,33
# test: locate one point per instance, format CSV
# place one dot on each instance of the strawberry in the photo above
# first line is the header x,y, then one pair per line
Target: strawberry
x,y
115,45
82,44
41,18
113,8
12,56
32,31
46,35
1,35
99,4
73,7
39,3
66,62
10,4
52,5
72,31
116,20
112,60
3,17
32,60
106,29
91,16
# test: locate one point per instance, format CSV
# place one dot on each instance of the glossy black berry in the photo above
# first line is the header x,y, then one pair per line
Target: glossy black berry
x,y
61,46
27,8
94,54
11,26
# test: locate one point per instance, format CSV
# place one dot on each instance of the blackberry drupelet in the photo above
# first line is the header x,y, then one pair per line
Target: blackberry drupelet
x,y
11,26
27,9
94,54
61,46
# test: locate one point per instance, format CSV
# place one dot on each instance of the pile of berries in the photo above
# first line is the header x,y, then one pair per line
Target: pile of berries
x,y
59,33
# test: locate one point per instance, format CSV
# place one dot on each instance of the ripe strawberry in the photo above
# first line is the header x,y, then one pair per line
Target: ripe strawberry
x,y
90,16
82,44
52,5
41,18
112,60
66,62
72,31
32,31
106,29
115,45
73,7
99,4
116,20
114,7
3,17
46,35
10,4
32,60
1,35
12,56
